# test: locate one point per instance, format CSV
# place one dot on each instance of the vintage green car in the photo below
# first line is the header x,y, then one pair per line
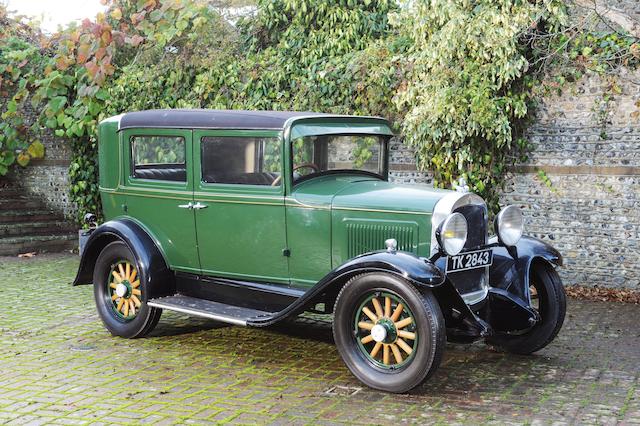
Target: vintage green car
x,y
252,217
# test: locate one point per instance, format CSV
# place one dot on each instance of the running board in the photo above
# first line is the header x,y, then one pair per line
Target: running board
x,y
208,309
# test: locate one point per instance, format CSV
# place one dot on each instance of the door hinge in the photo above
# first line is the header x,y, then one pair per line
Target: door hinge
x,y
286,252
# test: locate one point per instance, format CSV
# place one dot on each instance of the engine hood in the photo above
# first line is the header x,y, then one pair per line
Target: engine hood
x,y
354,192
381,195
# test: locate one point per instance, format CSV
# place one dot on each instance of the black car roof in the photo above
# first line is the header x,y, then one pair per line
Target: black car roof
x,y
214,119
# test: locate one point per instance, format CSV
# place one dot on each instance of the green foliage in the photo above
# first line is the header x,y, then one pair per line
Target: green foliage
x,y
19,64
461,98
458,78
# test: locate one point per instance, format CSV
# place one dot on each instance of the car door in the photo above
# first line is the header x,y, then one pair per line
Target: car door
x,y
239,200
158,181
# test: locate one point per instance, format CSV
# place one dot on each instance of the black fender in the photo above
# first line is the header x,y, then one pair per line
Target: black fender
x,y
151,264
419,271
511,268
509,308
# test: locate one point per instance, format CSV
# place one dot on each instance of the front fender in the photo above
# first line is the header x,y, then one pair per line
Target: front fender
x,y
418,270
150,262
511,266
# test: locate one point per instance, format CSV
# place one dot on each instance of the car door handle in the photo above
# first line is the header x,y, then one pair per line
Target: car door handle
x,y
199,206
186,206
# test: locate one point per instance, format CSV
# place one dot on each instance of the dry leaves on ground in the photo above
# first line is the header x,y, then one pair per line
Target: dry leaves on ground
x,y
603,294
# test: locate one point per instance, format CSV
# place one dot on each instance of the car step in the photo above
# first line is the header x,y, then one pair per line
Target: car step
x,y
208,309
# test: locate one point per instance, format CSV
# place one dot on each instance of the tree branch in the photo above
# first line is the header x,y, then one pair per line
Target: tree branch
x,y
616,16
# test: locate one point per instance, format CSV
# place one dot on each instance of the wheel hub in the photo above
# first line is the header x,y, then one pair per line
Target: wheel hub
x,y
384,331
379,333
123,289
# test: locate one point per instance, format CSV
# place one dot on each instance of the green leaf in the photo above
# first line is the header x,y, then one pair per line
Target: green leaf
x,y
57,103
12,106
23,159
155,16
36,149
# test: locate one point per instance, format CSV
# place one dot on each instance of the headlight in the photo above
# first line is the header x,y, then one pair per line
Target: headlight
x,y
452,234
509,225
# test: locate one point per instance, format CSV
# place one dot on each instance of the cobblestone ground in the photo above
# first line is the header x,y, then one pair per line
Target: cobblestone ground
x,y
59,365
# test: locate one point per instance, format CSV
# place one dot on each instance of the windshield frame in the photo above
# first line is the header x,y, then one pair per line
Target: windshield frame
x,y
384,152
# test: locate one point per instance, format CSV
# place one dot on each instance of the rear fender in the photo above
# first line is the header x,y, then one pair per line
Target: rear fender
x,y
150,261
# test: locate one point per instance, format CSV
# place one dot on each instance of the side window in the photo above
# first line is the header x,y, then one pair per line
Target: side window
x,y
158,158
241,160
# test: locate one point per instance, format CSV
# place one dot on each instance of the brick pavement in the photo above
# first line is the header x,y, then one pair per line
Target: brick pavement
x,y
58,365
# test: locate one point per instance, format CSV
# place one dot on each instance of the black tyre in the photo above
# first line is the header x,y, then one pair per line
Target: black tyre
x,y
549,299
389,335
121,294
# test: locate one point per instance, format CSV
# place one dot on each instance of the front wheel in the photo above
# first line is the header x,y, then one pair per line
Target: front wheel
x,y
390,336
549,299
121,293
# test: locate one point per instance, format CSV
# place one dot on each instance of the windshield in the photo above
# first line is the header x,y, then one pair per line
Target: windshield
x,y
313,155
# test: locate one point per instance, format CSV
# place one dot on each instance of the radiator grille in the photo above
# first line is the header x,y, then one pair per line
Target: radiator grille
x,y
469,281
366,237
477,222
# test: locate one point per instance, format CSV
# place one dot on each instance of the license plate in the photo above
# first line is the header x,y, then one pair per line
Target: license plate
x,y
470,260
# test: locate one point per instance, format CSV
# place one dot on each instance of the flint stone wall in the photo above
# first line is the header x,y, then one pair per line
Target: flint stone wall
x,y
589,150
48,178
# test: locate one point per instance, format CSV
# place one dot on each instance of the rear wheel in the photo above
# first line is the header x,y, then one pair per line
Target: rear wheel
x,y
389,335
548,298
121,294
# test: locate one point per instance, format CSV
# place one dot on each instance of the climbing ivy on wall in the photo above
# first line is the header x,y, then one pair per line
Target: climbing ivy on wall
x,y
458,79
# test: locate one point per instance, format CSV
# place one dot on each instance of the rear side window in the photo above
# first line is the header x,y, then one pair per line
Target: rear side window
x,y
241,160
159,158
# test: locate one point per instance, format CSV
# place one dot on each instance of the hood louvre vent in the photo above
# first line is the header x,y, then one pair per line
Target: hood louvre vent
x,y
366,236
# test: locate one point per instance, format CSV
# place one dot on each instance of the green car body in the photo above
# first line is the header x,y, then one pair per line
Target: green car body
x,y
252,217
312,220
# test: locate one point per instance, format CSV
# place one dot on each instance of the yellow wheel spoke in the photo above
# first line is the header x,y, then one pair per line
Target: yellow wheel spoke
x,y
133,275
378,307
404,346
397,312
405,322
376,349
121,269
365,325
135,284
370,314
385,354
132,307
126,308
136,292
113,285
367,339
114,297
136,301
120,303
127,270
387,306
406,335
117,277
396,353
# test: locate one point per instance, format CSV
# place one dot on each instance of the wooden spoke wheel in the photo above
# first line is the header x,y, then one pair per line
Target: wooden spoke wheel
x,y
121,293
389,334
385,330
124,290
